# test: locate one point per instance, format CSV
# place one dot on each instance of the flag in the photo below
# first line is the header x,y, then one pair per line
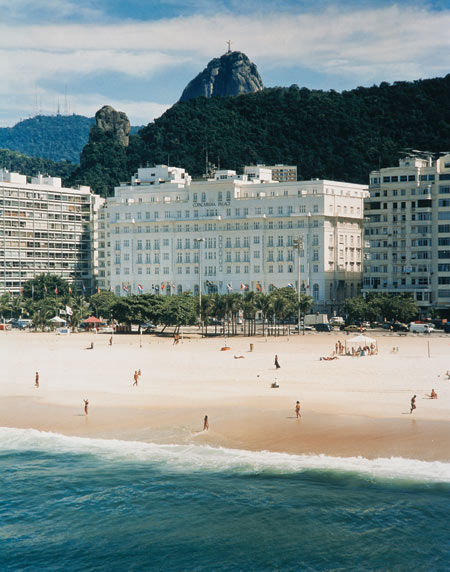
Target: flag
x,y
244,287
258,287
125,288
230,286
69,310
98,290
173,286
45,288
140,288
70,290
62,312
56,290
84,288
290,285
162,286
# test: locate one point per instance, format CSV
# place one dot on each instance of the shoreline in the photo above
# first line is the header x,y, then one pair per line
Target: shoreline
x,y
350,407
272,431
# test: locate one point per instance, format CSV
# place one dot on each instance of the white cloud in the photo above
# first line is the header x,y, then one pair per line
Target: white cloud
x,y
362,45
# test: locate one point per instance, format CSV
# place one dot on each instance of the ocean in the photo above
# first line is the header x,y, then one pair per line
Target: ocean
x,y
76,504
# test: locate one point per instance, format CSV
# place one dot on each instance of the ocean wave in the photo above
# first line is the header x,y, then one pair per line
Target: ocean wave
x,y
191,458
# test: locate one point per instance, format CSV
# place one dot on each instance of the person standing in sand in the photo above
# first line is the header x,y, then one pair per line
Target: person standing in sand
x,y
36,381
277,365
139,373
110,341
297,409
136,377
86,406
205,423
413,403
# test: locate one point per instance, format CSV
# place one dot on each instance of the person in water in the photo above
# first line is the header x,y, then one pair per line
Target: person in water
x,y
86,406
205,423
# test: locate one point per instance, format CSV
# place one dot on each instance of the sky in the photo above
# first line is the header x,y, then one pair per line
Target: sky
x,y
138,55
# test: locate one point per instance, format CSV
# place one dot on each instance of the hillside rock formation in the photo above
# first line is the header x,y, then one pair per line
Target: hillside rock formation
x,y
231,74
115,122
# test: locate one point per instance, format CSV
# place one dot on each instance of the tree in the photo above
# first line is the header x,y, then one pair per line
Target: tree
x,y
102,303
46,285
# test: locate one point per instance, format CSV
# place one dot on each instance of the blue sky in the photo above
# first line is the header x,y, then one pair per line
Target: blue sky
x,y
139,55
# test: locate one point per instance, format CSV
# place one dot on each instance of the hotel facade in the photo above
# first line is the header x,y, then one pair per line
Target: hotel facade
x,y
407,230
169,234
46,228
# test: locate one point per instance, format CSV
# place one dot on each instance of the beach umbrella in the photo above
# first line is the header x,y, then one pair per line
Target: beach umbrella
x,y
58,320
92,320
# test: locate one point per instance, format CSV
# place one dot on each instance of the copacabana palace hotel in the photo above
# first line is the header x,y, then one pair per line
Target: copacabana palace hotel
x,y
166,233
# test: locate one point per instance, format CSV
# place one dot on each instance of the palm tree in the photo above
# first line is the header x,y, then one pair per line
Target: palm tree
x,y
249,307
263,304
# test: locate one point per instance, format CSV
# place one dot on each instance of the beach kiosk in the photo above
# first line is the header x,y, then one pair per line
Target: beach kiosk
x,y
92,323
361,341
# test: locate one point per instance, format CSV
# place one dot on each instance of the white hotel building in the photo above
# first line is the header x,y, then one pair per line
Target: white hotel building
x,y
46,228
408,230
247,228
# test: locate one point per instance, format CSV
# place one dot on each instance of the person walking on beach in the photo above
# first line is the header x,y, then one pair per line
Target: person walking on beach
x,y
277,365
136,377
413,403
110,341
36,381
86,406
139,373
297,409
205,423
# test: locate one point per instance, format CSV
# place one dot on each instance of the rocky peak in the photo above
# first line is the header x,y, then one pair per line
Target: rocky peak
x,y
231,74
116,122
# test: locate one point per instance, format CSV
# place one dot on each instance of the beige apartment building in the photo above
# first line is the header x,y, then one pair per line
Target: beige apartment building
x,y
407,231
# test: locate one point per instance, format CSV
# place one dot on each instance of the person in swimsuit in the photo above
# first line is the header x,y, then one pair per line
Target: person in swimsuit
x,y
413,403
136,377
86,405
110,341
277,365
36,381
297,409
205,423
433,394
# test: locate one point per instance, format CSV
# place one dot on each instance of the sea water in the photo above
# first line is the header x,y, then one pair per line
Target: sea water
x,y
75,504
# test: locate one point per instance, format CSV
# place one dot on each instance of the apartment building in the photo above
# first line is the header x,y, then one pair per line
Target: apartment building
x,y
169,234
407,230
280,173
45,227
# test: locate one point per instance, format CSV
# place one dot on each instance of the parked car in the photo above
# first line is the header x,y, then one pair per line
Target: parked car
x,y
106,330
323,327
399,327
354,328
306,328
420,328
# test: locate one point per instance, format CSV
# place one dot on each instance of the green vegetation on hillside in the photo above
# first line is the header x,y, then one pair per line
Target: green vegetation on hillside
x,y
18,163
326,134
56,137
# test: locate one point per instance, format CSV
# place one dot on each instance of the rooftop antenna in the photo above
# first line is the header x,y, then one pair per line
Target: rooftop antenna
x,y
66,107
58,109
229,47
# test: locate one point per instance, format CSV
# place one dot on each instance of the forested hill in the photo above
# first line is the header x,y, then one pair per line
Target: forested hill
x,y
18,163
56,137
326,134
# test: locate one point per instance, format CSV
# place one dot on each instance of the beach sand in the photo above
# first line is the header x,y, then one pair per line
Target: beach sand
x,y
350,406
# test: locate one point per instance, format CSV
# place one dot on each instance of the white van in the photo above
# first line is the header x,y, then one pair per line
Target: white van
x,y
419,328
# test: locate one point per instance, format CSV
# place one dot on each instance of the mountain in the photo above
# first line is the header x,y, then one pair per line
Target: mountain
x,y
231,74
327,134
56,137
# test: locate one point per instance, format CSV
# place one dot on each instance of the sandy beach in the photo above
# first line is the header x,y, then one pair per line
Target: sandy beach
x,y
350,406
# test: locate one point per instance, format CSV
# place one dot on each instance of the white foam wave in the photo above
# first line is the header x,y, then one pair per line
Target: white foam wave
x,y
188,458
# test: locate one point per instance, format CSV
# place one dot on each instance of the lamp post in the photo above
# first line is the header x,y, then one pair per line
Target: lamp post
x,y
133,225
199,241
298,244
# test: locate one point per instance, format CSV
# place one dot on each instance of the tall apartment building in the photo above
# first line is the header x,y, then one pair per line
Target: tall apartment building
x,y
45,227
408,231
280,173
246,228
